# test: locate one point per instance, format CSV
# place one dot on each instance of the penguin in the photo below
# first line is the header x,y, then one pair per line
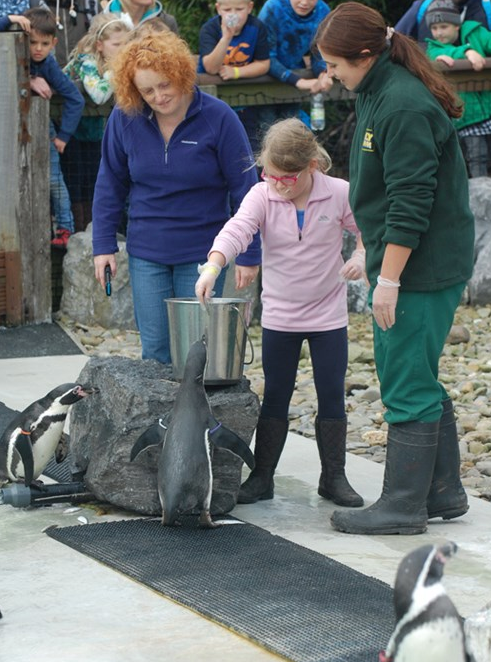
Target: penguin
x,y
184,477
35,434
428,625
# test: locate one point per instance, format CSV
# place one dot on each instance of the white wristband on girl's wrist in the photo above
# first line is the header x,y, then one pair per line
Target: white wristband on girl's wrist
x,y
385,282
210,267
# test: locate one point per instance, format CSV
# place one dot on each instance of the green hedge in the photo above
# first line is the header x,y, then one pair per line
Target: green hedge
x,y
191,14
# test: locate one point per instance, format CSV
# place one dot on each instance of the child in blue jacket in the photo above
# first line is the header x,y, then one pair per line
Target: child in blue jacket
x,y
291,26
42,40
234,44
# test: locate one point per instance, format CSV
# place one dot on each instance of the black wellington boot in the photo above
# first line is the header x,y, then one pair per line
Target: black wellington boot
x,y
447,497
330,434
271,435
411,453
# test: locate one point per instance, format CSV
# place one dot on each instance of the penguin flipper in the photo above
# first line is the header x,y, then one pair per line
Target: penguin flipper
x,y
61,451
24,447
224,438
154,436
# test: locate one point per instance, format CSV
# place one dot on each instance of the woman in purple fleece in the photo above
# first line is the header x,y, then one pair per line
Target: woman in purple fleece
x,y
181,160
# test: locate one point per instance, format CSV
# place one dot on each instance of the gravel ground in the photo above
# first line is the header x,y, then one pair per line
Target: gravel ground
x,y
465,370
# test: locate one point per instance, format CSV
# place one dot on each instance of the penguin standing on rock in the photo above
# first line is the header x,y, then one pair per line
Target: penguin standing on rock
x,y
34,435
185,478
429,627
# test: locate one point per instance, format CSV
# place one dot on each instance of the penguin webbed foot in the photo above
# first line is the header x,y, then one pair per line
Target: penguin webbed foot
x,y
170,520
206,522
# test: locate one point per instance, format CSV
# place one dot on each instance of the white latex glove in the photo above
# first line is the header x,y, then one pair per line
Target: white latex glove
x,y
354,268
209,272
384,303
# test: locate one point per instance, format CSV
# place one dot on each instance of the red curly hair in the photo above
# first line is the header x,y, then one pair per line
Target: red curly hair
x,y
164,53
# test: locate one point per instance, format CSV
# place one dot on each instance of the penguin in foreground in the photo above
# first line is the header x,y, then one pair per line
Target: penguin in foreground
x,y
185,478
33,436
429,627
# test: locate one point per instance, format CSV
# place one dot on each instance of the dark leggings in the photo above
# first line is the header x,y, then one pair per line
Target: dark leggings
x,y
280,356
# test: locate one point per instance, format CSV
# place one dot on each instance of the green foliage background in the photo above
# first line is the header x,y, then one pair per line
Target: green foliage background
x,y
191,14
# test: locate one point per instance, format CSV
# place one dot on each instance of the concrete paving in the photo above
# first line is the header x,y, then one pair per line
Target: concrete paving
x,y
60,605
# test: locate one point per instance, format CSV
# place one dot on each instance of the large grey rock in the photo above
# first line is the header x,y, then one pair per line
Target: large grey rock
x,y
134,394
480,202
83,299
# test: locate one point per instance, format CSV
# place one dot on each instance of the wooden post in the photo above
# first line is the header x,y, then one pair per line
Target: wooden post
x,y
24,190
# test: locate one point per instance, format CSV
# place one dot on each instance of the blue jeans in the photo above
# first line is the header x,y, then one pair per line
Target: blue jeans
x,y
58,192
476,155
151,284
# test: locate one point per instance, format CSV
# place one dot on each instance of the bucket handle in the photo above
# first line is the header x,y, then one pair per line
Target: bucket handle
x,y
247,335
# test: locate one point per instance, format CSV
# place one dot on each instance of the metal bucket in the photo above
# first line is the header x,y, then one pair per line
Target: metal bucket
x,y
225,321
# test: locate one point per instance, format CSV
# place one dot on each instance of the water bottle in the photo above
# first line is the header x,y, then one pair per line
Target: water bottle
x,y
317,112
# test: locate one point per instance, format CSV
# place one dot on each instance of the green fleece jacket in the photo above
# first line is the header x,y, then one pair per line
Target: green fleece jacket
x,y
408,181
477,105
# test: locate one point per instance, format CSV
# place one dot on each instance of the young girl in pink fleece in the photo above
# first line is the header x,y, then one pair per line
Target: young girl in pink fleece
x,y
301,213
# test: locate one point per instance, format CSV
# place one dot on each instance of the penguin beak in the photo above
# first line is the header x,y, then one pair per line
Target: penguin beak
x,y
446,552
85,390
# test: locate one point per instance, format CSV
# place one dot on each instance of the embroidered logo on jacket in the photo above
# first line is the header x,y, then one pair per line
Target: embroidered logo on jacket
x,y
367,145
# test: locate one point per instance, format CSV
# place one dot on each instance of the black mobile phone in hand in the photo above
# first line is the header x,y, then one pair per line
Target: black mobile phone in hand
x,y
107,279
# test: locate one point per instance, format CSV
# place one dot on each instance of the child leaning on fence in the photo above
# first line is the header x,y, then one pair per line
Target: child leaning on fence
x,y
46,75
291,26
89,65
453,40
234,44
301,213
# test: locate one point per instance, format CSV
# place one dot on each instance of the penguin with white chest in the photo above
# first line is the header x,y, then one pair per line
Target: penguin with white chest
x,y
36,434
185,478
429,626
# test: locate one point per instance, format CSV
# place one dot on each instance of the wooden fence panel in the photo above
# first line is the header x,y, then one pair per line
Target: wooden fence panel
x,y
25,277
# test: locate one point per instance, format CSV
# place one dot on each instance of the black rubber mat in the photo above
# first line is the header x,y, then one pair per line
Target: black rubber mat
x,y
35,340
292,601
59,472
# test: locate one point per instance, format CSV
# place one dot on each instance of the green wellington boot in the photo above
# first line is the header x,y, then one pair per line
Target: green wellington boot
x,y
411,454
447,497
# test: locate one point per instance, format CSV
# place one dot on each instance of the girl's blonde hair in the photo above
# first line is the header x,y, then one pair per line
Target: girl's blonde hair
x,y
290,145
164,53
150,26
101,27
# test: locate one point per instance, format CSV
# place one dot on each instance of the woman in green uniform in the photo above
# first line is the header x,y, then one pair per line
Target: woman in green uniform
x,y
409,195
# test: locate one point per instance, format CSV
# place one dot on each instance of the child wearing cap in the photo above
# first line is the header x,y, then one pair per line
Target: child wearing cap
x,y
453,40
413,24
